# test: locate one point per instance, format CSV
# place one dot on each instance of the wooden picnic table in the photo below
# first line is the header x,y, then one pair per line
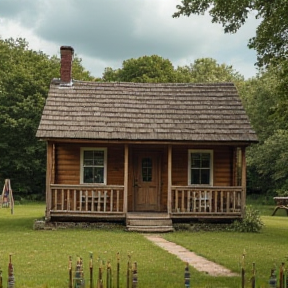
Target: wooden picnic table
x,y
281,203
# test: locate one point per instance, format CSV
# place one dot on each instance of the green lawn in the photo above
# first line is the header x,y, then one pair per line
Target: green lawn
x,y
40,258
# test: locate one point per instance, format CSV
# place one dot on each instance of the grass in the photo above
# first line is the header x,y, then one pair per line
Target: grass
x,y
40,258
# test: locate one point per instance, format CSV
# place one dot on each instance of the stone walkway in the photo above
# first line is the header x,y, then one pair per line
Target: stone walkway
x,y
198,262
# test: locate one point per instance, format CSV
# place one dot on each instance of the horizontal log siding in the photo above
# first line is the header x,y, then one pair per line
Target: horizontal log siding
x,y
222,165
67,163
115,165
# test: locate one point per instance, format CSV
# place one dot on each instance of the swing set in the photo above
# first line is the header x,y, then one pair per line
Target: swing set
x,y
6,199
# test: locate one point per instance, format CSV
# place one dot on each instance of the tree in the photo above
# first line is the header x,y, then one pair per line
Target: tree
x,y
261,99
208,70
158,70
270,41
151,69
25,76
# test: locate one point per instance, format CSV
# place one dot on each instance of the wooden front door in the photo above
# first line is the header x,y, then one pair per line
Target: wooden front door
x,y
147,182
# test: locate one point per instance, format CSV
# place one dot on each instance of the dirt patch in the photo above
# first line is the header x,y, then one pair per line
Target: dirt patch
x,y
198,262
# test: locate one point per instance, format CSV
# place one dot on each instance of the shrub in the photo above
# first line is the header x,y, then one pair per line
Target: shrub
x,y
251,221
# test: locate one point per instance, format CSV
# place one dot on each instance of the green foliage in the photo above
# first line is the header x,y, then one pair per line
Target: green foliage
x,y
264,99
270,41
25,77
273,150
148,69
155,69
208,70
251,221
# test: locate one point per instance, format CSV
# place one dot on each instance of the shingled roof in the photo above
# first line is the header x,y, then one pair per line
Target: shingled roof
x,y
145,111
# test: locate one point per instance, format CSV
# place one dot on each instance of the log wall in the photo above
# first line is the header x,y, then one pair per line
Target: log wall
x,y
67,163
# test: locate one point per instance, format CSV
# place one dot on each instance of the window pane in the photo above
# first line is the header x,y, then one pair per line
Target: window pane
x,y
88,175
98,175
195,176
205,176
88,158
146,169
205,160
99,158
195,160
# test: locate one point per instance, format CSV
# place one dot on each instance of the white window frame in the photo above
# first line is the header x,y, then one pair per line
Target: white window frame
x,y
82,149
191,151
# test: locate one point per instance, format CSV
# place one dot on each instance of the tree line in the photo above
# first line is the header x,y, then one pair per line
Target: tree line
x,y
25,76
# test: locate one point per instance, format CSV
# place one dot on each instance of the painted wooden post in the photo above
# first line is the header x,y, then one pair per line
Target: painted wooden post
x,y
128,274
118,270
169,196
100,276
11,278
253,278
49,172
125,200
273,279
243,184
70,285
1,279
108,276
243,269
187,276
134,276
91,269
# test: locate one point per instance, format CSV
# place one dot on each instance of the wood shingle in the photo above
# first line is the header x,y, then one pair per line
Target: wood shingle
x,y
145,111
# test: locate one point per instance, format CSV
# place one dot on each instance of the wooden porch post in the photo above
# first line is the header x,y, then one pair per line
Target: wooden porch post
x,y
243,184
169,196
125,200
49,176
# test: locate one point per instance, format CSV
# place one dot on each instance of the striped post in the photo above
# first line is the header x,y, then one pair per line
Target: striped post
x,y
11,278
134,276
187,276
1,280
109,275
70,272
253,278
118,270
273,279
281,276
128,275
243,269
100,276
91,269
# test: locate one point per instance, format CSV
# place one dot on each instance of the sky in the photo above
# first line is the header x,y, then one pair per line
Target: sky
x,y
104,33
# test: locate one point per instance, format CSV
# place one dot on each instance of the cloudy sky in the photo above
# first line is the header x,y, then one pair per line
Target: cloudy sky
x,y
104,33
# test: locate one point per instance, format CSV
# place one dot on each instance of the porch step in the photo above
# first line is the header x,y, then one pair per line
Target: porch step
x,y
149,222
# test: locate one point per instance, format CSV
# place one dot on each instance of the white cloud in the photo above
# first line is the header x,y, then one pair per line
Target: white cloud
x,y
105,33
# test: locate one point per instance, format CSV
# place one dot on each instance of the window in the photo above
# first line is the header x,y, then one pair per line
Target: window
x,y
93,165
200,167
146,169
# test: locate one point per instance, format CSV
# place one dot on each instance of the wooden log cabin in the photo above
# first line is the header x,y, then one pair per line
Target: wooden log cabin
x,y
142,153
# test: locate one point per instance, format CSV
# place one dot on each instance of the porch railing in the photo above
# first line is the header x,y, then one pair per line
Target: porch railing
x,y
221,200
96,199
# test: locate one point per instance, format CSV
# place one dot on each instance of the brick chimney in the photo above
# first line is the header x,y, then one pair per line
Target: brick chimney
x,y
67,53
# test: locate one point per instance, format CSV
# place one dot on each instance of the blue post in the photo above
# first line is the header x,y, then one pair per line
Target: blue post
x,y
187,276
273,279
